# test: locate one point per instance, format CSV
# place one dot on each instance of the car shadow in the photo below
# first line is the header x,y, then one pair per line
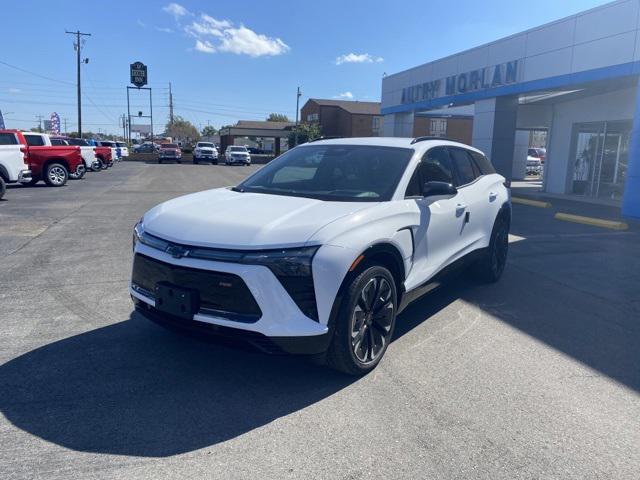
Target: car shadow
x,y
133,388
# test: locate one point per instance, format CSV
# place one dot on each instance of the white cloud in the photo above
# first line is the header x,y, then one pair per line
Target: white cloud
x,y
230,38
358,58
176,10
243,41
163,29
204,46
344,96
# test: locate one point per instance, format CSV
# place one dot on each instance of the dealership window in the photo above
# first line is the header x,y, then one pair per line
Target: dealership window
x,y
438,127
375,123
313,117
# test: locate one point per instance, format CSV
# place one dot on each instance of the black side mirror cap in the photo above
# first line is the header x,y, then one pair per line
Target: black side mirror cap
x,y
438,189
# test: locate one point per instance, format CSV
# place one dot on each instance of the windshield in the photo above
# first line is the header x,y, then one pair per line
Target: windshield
x,y
237,149
351,173
205,145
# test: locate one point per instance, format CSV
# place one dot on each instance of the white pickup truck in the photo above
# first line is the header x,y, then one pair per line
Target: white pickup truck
x,y
12,166
124,149
88,153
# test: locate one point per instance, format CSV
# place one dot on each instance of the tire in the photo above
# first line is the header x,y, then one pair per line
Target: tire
x,y
489,268
33,181
56,175
373,321
75,176
3,187
101,167
159,161
195,160
179,161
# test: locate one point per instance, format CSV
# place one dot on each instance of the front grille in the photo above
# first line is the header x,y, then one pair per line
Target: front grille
x,y
221,294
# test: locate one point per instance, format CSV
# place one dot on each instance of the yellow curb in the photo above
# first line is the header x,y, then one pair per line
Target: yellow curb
x,y
531,203
596,222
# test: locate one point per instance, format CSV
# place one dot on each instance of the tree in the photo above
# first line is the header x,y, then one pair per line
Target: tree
x,y
209,131
182,129
277,117
306,133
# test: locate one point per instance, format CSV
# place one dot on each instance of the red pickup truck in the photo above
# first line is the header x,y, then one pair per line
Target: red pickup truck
x,y
46,162
103,154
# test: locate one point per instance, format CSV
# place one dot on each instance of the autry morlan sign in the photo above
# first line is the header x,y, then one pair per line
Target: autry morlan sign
x,y
480,79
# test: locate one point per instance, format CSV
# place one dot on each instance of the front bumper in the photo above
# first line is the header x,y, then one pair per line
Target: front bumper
x,y
239,160
280,317
272,345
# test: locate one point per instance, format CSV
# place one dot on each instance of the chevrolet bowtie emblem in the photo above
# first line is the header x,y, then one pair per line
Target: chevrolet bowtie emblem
x,y
176,251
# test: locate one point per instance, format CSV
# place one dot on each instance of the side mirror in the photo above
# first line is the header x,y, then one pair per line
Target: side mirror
x,y
438,189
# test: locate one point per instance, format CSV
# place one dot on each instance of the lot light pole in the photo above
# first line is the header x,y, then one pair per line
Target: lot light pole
x,y
295,141
78,34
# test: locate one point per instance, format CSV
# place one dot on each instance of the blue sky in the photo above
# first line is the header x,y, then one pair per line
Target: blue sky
x,y
235,60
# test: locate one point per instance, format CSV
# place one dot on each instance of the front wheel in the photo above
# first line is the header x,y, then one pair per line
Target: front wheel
x,y
56,175
365,322
490,266
3,187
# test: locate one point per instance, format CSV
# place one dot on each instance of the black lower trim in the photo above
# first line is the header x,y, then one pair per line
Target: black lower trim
x,y
272,345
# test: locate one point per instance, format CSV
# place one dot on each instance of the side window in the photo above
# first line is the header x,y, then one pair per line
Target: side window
x,y
34,140
464,166
436,166
414,188
8,139
483,163
57,141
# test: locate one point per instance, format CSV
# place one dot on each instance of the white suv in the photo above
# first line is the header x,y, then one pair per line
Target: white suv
x,y
237,154
205,151
318,251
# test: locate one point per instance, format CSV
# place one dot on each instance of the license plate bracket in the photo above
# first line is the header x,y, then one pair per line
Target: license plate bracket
x,y
177,301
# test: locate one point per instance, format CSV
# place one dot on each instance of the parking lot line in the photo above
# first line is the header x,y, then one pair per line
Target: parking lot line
x,y
596,222
531,203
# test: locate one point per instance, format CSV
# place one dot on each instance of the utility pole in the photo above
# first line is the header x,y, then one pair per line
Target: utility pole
x,y
295,142
39,117
124,128
170,105
86,60
65,126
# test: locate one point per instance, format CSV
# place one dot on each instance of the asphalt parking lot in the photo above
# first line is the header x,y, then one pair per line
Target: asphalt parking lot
x,y
535,377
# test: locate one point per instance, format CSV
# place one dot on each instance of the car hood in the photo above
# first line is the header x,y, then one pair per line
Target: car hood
x,y
223,218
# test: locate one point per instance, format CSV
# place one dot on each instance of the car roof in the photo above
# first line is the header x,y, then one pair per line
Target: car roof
x,y
418,143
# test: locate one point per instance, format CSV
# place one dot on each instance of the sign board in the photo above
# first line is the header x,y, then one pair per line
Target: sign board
x,y
479,79
142,129
138,72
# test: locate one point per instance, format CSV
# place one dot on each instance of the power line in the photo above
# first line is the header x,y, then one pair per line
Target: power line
x,y
35,74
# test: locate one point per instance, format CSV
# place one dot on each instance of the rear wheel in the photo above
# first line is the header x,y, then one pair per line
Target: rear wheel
x,y
56,175
3,187
365,322
490,266
100,164
77,175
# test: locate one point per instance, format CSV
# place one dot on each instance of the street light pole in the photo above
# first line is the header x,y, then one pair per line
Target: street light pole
x,y
295,142
77,45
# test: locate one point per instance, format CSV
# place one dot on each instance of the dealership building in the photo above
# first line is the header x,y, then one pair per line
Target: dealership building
x,y
576,78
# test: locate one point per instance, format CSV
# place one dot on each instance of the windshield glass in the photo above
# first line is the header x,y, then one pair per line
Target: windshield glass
x,y
352,173
205,145
237,149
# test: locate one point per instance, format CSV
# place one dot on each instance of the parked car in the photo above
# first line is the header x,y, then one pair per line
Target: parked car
x,y
318,251
116,153
88,153
13,165
534,166
255,151
169,151
205,151
46,162
237,154
104,155
124,149
145,148
539,153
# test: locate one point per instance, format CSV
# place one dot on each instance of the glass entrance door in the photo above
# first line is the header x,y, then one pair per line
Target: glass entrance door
x,y
600,159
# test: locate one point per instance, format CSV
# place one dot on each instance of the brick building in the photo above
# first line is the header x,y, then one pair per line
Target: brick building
x,y
343,118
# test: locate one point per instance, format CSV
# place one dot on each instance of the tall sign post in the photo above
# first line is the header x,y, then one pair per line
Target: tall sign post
x,y
138,77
